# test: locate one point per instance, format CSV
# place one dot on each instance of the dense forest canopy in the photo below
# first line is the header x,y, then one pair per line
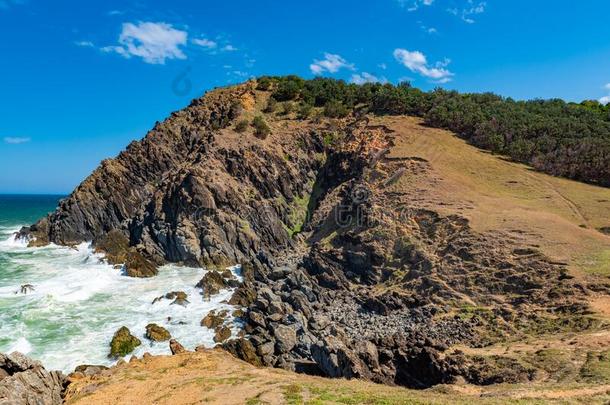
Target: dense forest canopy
x,y
563,139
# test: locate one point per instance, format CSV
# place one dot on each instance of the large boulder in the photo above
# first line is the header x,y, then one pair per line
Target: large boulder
x,y
157,333
138,266
212,282
123,343
222,333
24,381
285,338
213,320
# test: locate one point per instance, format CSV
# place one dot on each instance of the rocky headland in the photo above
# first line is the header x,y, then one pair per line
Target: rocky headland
x,y
347,271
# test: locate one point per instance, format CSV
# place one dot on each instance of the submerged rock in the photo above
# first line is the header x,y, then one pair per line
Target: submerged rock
x,y
178,297
123,343
213,320
222,334
25,381
212,282
157,333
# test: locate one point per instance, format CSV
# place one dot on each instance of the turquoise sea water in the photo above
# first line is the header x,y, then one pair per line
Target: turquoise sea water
x,y
79,300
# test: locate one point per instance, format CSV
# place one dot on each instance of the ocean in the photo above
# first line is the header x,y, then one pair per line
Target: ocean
x,y
79,300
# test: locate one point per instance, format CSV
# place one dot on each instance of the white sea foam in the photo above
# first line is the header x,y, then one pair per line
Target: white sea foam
x,y
79,301
21,345
9,240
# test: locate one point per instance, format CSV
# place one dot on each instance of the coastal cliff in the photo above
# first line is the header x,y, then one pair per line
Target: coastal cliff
x,y
354,263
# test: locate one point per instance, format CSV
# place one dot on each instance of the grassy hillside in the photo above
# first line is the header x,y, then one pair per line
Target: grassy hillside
x,y
564,217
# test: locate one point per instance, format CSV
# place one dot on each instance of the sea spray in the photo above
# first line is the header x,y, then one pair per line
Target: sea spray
x,y
78,301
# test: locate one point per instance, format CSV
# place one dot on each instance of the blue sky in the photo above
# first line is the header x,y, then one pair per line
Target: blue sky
x,y
80,80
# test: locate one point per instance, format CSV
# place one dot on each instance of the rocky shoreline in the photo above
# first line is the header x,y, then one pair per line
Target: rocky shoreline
x,y
345,273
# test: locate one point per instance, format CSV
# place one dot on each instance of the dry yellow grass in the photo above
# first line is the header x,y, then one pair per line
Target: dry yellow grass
x,y
214,377
560,216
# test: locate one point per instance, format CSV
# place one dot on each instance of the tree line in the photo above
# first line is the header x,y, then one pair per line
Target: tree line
x,y
556,137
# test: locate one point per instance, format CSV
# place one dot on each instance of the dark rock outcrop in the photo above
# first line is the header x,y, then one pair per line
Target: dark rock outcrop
x,y
123,343
25,381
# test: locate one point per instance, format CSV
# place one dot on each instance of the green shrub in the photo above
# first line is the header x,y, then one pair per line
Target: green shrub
x,y
264,83
305,111
289,88
335,109
271,106
288,108
261,129
241,126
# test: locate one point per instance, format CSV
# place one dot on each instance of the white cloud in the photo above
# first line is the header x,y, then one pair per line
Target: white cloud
x,y
417,62
16,140
467,12
205,43
229,48
331,63
115,12
607,86
382,66
84,44
240,73
364,77
415,4
153,42
426,29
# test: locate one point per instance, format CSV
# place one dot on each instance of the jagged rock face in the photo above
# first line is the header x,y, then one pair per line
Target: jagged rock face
x,y
24,381
191,192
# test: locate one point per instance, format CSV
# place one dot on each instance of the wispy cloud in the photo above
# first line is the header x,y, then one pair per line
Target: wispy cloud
x,y
416,62
413,5
426,29
16,140
115,12
154,42
331,63
229,48
469,10
205,43
84,44
364,77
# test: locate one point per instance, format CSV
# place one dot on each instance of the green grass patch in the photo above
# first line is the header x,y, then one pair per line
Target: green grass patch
x,y
293,394
599,264
596,368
